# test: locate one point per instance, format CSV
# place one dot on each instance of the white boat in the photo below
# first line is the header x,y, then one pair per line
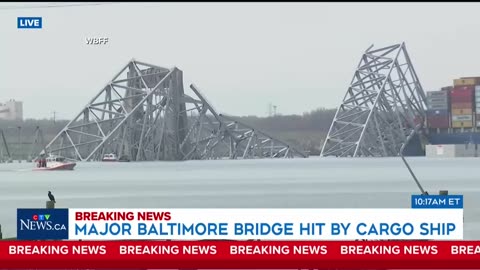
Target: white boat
x,y
55,163
110,157
113,158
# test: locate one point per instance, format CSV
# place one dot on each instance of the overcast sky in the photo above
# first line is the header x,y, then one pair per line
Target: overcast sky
x,y
243,56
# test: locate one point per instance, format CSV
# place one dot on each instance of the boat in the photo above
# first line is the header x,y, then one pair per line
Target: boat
x,y
55,163
110,158
113,158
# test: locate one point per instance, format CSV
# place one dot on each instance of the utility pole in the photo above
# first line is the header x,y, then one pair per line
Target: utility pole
x,y
54,116
274,110
19,148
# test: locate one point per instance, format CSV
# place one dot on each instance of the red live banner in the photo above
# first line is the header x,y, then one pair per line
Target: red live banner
x,y
241,254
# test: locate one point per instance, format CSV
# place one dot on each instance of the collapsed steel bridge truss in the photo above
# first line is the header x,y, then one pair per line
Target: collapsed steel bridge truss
x,y
383,104
37,144
144,114
4,151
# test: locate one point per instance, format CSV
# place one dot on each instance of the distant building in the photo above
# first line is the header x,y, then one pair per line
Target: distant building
x,y
11,110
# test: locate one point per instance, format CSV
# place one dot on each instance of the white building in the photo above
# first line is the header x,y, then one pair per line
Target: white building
x,y
11,110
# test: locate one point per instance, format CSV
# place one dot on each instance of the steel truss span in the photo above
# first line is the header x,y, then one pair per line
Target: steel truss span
x,y
383,104
145,114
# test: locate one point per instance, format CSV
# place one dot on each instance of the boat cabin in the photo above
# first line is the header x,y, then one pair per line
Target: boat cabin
x,y
110,157
55,159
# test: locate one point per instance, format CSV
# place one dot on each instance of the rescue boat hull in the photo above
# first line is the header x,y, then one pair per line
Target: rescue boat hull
x,y
59,167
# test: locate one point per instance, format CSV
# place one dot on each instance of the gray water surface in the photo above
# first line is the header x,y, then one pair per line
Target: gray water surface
x,y
286,183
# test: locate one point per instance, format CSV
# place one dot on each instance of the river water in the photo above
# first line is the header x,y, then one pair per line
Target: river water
x,y
281,183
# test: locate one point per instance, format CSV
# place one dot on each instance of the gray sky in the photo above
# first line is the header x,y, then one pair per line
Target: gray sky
x,y
242,56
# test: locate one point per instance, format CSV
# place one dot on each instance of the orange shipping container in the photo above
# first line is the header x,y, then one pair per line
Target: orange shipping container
x,y
461,111
460,124
462,118
462,82
464,105
477,79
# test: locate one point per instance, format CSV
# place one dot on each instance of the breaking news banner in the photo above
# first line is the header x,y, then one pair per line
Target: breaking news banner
x,y
240,224
430,217
241,254
291,238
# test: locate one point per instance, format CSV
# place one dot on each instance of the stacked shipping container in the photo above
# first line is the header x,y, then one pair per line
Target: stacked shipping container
x,y
477,105
462,99
438,115
455,107
446,88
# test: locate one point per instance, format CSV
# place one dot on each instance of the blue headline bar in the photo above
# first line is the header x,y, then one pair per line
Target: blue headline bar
x,y
437,201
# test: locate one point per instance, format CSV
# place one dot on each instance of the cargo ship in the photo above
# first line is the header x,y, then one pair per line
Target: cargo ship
x,y
453,113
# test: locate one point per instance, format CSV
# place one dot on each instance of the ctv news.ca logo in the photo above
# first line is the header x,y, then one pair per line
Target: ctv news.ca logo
x,y
41,222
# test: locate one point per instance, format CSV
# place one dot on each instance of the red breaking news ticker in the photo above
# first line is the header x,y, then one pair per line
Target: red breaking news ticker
x,y
241,254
